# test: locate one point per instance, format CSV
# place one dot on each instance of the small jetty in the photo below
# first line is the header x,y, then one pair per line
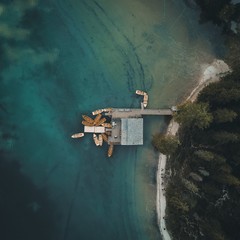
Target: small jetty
x,y
138,112
120,126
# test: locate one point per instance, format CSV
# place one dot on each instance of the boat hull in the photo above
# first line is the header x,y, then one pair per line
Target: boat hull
x,y
139,92
95,139
101,121
100,139
77,135
105,137
107,125
87,119
85,123
110,150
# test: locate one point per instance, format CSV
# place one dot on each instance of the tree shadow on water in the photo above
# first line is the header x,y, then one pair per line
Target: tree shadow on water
x,y
25,211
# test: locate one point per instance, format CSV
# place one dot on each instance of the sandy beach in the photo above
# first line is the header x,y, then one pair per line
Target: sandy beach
x,y
210,73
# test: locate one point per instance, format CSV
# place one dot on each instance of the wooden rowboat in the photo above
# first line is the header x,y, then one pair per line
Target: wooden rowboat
x,y
95,139
107,125
97,118
101,121
85,123
100,139
97,111
77,135
139,92
145,100
105,137
87,119
110,150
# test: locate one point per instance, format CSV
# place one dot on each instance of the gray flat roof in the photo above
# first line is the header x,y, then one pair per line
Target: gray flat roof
x,y
132,131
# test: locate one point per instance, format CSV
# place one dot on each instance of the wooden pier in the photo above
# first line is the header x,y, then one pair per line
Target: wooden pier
x,y
138,112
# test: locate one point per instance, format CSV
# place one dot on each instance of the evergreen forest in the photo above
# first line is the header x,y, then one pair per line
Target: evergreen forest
x,y
203,189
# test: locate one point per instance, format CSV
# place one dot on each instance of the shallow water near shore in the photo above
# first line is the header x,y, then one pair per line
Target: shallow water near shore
x,y
78,56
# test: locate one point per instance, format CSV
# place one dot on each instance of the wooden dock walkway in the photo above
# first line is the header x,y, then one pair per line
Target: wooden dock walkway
x,y
137,112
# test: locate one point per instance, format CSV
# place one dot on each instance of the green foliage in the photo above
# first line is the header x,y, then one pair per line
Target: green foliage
x,y
193,115
204,155
213,230
226,178
223,137
233,53
227,12
178,204
210,157
225,168
190,186
211,10
220,93
219,159
215,148
166,144
224,115
210,137
210,190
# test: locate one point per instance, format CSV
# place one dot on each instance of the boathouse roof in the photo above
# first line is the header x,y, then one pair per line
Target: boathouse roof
x,y
132,131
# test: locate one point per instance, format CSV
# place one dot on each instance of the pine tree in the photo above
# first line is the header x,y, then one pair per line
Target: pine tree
x,y
166,144
224,115
193,115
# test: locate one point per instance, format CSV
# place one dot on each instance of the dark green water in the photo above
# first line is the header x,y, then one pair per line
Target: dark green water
x,y
61,59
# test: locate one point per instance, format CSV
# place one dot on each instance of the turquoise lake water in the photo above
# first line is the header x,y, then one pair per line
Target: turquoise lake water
x,y
65,58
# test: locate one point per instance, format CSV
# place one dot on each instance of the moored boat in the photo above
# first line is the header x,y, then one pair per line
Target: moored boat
x,y
145,100
100,139
95,139
139,92
101,121
85,123
107,125
105,137
87,118
77,135
97,118
97,111
107,109
110,150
